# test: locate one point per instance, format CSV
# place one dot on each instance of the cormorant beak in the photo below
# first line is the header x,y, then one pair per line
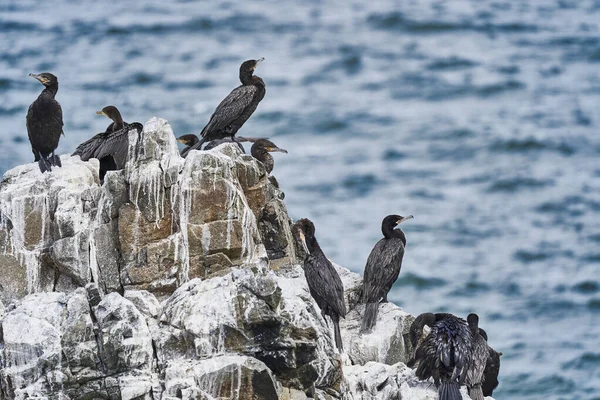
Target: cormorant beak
x,y
401,220
101,113
276,149
181,141
258,62
303,241
39,78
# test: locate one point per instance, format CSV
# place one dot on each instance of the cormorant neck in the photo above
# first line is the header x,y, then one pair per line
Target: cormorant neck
x,y
313,245
246,77
389,233
51,90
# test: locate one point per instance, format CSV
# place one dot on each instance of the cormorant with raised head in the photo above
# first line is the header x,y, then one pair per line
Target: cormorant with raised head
x,y
323,280
45,123
382,269
444,354
110,147
480,353
237,107
261,149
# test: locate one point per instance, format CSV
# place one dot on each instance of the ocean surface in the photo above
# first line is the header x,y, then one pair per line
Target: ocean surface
x,y
480,118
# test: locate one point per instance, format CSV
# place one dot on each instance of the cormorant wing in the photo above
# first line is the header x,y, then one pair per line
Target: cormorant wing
x,y
329,286
382,268
117,145
230,108
86,149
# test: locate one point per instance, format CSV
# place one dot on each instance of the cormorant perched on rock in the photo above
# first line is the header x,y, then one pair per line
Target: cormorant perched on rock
x,y
480,352
45,123
237,107
445,354
323,280
110,147
261,149
382,269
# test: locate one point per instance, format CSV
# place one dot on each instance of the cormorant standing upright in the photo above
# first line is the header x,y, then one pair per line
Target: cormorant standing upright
x,y
110,147
45,123
323,280
445,354
261,149
480,353
237,107
382,269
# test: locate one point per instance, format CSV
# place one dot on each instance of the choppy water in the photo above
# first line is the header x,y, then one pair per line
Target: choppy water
x,y
479,117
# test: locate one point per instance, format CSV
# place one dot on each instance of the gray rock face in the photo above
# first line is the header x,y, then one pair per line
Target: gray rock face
x,y
176,279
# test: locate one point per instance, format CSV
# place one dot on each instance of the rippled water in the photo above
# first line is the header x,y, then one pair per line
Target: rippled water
x,y
478,117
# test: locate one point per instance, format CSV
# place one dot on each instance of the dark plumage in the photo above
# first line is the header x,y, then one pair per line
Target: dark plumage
x,y
444,354
45,123
110,147
382,269
492,369
480,352
189,141
237,107
261,149
323,280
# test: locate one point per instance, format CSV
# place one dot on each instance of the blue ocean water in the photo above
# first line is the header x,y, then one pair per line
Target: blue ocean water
x,y
480,118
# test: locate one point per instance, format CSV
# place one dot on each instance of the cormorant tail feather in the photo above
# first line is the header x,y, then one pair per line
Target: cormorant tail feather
x,y
450,391
369,318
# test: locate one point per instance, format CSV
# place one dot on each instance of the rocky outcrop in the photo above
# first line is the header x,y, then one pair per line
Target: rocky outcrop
x,y
175,279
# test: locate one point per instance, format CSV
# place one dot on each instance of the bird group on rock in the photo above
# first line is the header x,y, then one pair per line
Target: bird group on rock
x,y
447,348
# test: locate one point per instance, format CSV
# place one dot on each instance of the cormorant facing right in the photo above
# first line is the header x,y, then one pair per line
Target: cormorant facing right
x,y
45,123
260,150
445,354
382,269
323,280
480,353
237,107
110,147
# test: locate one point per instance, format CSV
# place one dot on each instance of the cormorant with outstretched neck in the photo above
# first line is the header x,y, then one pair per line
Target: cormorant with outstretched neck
x,y
237,107
110,147
323,280
261,149
444,354
45,123
480,353
382,269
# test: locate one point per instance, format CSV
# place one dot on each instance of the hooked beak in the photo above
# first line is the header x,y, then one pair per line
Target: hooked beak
x,y
404,219
100,113
303,242
39,78
258,62
276,149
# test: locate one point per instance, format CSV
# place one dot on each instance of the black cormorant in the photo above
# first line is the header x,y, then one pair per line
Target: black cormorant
x,y
237,107
110,147
492,369
261,149
382,269
480,352
189,141
45,123
444,354
323,280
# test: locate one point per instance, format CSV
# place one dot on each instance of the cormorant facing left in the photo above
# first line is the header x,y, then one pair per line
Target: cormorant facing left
x,y
382,269
110,147
237,107
189,141
445,354
480,353
261,149
45,123
323,280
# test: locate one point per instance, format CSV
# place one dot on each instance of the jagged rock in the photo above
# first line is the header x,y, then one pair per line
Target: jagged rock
x,y
214,302
222,377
